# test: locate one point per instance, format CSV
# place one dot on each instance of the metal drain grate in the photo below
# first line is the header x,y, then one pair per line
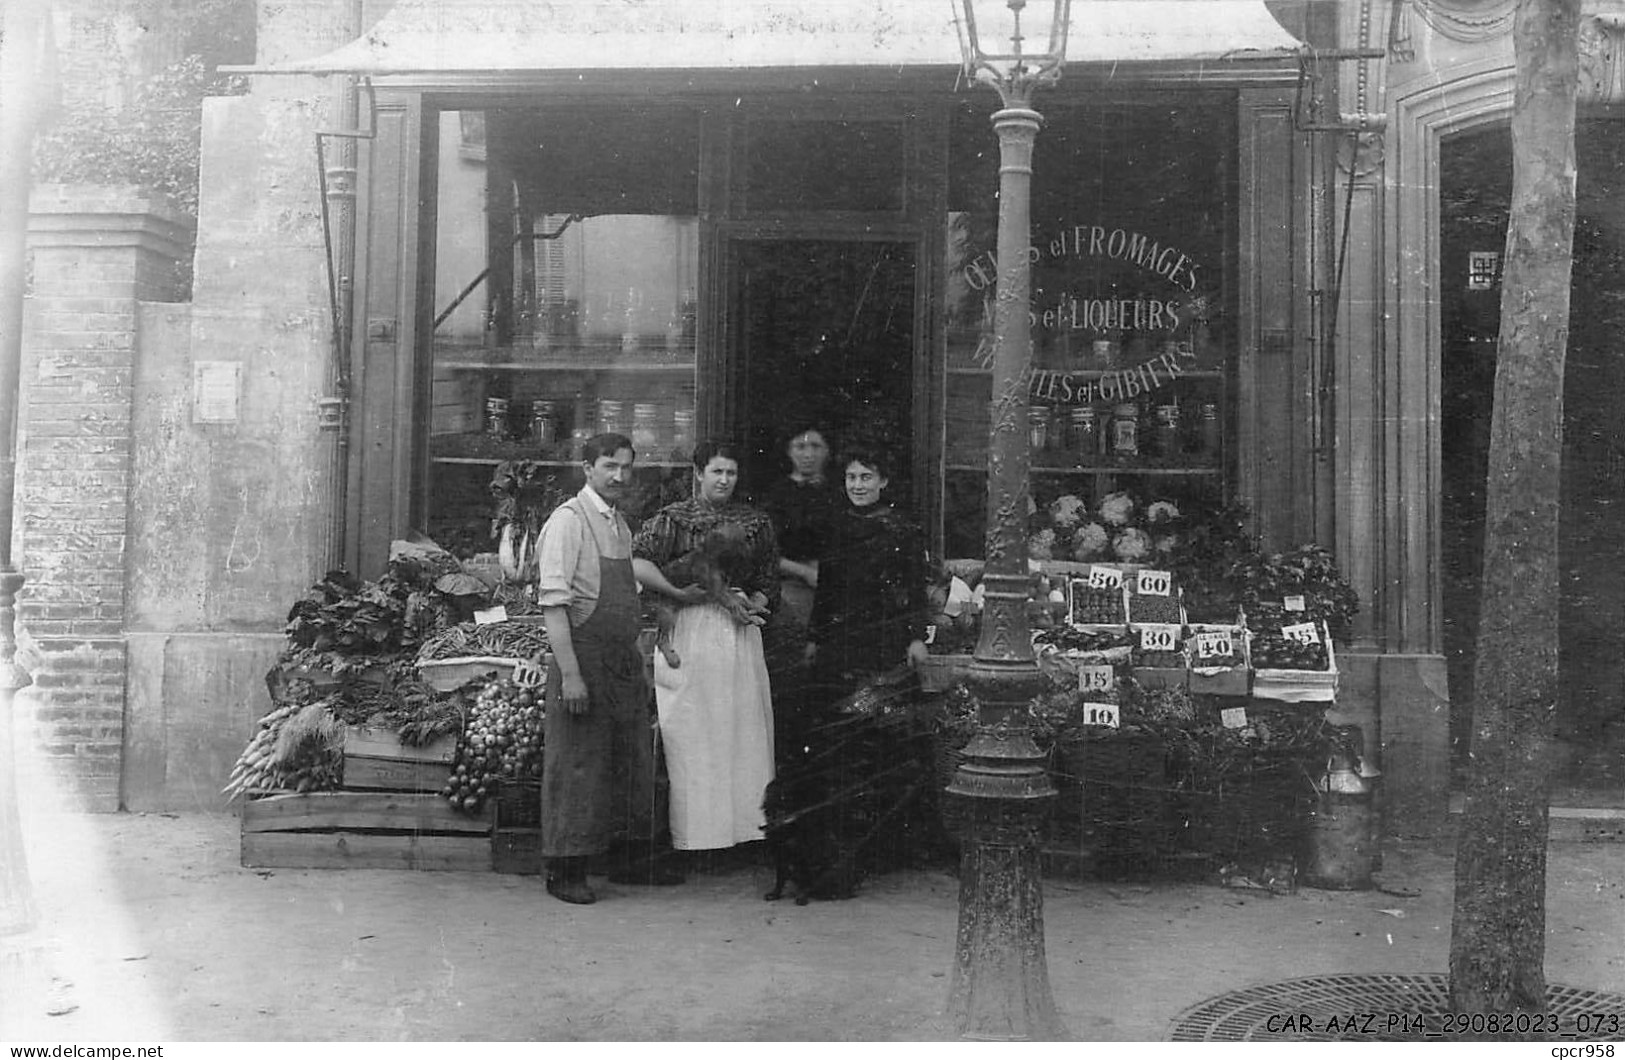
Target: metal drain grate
x,y
1402,1008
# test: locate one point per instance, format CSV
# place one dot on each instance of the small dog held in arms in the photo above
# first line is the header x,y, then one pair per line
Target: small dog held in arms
x,y
714,565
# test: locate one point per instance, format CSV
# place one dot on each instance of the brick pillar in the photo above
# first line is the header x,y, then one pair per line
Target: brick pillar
x,y
96,252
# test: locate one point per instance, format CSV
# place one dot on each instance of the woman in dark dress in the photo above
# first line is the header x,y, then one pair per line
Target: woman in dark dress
x,y
802,505
868,615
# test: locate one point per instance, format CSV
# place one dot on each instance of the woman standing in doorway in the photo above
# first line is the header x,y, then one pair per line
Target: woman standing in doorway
x,y
716,714
802,506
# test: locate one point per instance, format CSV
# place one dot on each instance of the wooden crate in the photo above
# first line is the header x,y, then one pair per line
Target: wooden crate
x,y
375,759
363,830
517,851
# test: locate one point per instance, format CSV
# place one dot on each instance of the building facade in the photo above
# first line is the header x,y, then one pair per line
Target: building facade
x,y
524,223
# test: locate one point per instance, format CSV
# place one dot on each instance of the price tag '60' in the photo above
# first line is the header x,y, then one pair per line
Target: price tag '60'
x,y
1159,638
1100,714
1155,583
1096,679
1302,632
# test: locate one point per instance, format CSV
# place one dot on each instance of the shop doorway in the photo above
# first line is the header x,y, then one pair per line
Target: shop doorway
x,y
1475,188
823,334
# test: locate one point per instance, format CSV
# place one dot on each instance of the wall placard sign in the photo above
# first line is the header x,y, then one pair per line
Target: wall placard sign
x,y
216,386
1483,266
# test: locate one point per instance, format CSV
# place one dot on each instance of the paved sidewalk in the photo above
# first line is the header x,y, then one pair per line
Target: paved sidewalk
x,y
151,930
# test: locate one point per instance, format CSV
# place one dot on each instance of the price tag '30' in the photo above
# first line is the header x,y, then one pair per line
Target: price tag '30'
x,y
1100,714
1159,638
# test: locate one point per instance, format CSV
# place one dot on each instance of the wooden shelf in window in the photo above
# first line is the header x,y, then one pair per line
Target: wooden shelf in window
x,y
1101,469
493,461
573,366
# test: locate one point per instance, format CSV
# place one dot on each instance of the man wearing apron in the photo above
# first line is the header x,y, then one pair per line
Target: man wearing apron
x,y
597,755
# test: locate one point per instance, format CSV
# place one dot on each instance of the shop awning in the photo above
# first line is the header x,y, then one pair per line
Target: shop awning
x,y
471,37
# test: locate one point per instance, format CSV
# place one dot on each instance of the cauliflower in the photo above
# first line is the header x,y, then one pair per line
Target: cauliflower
x,y
1067,510
1041,545
1116,509
1160,512
1132,544
1090,541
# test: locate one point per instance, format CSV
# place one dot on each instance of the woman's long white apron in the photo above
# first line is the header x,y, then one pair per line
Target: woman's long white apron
x,y
716,725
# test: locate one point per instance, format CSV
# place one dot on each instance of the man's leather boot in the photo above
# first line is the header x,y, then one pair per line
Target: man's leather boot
x,y
567,881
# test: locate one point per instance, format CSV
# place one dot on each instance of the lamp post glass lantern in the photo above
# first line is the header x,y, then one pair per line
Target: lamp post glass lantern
x,y
1001,792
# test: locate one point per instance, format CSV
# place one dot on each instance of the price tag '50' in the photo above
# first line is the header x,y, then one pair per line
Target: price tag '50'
x,y
1302,632
1155,583
1105,578
1096,679
1159,638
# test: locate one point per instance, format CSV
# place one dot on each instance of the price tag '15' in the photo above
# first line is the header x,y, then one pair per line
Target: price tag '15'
x,y
1155,583
1302,632
1159,638
1214,644
1096,679
1100,714
1105,578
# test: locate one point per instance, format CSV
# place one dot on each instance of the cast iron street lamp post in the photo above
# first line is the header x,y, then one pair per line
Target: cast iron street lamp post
x,y
1001,793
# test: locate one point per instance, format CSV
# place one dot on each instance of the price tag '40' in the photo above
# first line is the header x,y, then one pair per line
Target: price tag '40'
x,y
1159,638
1100,714
1214,644
1096,679
1302,632
1105,578
1155,583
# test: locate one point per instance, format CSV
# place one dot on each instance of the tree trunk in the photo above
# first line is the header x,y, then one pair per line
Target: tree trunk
x,y
1498,932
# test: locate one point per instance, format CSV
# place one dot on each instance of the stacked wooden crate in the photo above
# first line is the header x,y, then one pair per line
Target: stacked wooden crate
x,y
388,814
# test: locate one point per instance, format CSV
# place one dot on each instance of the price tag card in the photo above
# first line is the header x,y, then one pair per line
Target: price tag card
x,y
1214,644
1105,578
529,675
1096,679
1294,603
1233,717
1155,583
1302,632
1100,714
1159,638
490,615
931,634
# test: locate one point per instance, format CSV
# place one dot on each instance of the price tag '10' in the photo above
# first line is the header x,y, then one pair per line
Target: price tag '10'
x,y
1302,632
1159,638
1100,714
1105,578
1155,583
1096,679
1214,644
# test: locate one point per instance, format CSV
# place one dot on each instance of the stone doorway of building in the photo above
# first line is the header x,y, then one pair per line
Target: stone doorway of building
x,y
1475,187
823,336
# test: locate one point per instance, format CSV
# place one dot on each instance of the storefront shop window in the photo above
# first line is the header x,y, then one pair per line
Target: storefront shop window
x,y
566,263
1133,342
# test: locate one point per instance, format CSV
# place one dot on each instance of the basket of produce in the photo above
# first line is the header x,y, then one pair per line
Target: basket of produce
x,y
1159,655
1293,661
1218,659
1097,599
468,652
519,802
501,743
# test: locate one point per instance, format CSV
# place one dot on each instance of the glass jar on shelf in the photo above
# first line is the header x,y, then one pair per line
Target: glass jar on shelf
x,y
1038,417
1085,440
645,427
611,417
1125,434
682,434
1168,431
496,417
1210,430
543,423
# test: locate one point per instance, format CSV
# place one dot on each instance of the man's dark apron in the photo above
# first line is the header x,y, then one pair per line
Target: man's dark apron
x,y
597,767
